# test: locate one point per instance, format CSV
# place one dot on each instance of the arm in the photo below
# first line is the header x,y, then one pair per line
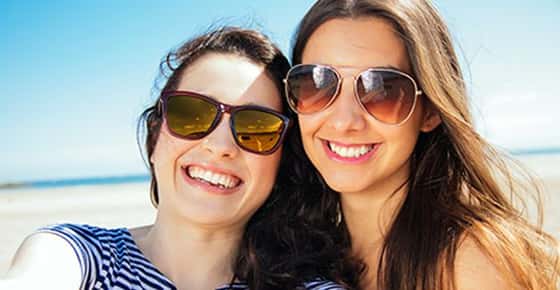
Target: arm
x,y
43,261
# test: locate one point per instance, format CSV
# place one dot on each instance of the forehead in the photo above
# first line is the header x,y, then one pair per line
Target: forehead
x,y
231,79
357,43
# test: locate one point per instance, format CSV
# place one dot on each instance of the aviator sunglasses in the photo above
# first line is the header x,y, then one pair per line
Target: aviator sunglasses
x,y
388,95
193,116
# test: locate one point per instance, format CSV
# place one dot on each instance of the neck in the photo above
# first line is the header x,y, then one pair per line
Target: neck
x,y
369,215
192,257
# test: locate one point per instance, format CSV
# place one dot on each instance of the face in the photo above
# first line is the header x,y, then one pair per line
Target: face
x,y
211,181
380,152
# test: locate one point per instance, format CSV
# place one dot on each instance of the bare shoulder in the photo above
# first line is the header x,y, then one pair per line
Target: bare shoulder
x,y
474,269
44,259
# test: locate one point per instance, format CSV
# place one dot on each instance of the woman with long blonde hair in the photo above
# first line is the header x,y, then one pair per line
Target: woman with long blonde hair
x,y
420,199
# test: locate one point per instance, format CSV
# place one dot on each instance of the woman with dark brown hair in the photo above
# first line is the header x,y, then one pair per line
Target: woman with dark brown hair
x,y
214,145
420,200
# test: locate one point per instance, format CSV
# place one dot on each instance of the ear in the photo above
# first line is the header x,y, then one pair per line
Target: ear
x,y
152,157
431,119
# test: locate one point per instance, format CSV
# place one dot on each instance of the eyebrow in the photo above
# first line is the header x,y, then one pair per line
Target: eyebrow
x,y
352,67
388,67
385,67
256,104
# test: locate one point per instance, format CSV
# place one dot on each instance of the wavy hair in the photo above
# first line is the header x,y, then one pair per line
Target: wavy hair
x,y
282,246
460,185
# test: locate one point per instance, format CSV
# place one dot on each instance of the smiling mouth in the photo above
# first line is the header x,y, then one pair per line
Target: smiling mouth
x,y
212,178
354,151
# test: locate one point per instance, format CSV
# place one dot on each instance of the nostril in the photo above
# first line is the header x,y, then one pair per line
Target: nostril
x,y
349,117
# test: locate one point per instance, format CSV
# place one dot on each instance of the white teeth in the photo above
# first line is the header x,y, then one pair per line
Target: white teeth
x,y
222,180
363,150
206,175
350,152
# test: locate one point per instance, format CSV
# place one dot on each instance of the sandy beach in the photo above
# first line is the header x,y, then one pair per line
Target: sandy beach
x,y
23,210
26,209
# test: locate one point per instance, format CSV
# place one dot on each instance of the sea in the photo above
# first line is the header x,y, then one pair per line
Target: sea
x,y
105,180
139,178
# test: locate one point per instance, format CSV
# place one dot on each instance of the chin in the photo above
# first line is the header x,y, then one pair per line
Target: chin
x,y
209,219
208,215
345,186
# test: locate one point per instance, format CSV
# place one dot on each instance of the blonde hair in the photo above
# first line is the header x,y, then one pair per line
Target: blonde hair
x,y
521,250
470,188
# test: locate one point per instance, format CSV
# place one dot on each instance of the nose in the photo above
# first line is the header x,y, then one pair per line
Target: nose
x,y
346,113
220,141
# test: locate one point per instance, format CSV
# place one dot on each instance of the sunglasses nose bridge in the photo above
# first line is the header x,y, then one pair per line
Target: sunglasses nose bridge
x,y
224,108
346,112
345,87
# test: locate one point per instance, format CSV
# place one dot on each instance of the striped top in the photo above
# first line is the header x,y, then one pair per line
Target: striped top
x,y
110,259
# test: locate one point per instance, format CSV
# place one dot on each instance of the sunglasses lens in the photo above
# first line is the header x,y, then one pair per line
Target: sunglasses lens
x,y
310,87
190,117
257,131
387,96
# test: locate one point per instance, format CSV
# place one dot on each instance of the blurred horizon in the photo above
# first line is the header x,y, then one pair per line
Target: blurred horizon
x,y
75,76
134,177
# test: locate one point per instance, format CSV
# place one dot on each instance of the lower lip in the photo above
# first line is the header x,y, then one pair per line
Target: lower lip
x,y
349,160
208,187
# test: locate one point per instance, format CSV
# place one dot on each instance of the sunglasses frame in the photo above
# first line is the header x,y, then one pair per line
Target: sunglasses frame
x,y
339,79
221,110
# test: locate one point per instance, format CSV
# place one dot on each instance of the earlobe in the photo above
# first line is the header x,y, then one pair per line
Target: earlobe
x,y
152,161
431,120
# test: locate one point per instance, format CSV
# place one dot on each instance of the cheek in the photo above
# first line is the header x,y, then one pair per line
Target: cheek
x,y
404,136
309,126
166,152
263,170
264,167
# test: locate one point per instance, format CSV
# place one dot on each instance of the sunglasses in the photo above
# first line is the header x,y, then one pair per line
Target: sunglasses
x,y
193,116
388,95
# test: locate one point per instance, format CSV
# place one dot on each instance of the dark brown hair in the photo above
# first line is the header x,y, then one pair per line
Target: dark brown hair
x,y
459,185
280,248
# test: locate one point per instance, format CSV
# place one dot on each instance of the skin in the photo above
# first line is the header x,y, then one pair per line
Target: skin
x,y
373,188
197,229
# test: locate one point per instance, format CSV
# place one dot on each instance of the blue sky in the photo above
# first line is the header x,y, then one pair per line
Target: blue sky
x,y
75,75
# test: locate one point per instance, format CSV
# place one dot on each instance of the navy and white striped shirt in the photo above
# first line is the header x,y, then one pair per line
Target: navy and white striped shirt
x,y
110,259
